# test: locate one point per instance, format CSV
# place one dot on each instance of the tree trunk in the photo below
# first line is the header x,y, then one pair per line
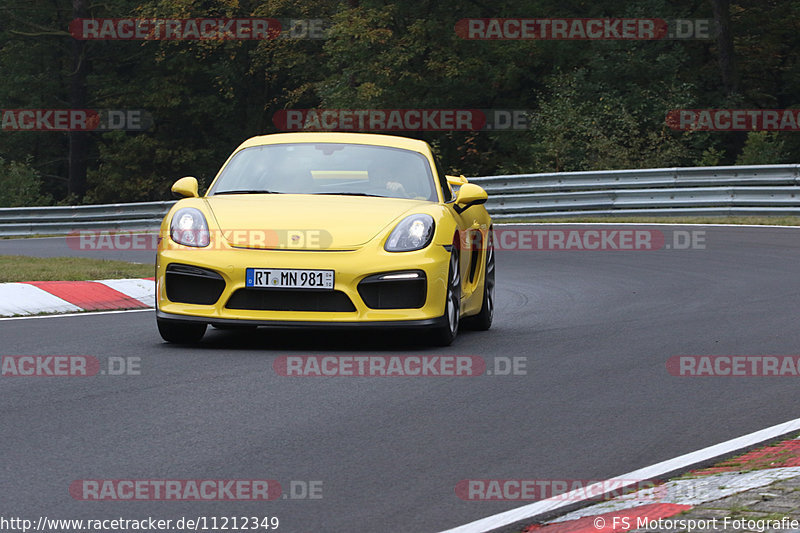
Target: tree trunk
x,y
78,140
727,58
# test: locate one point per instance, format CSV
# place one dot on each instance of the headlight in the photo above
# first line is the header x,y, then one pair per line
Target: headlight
x,y
412,233
189,227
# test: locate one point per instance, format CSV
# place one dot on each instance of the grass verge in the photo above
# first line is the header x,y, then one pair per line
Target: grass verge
x,y
24,268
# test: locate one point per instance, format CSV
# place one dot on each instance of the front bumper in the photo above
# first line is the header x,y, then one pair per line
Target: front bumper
x,y
426,323
351,267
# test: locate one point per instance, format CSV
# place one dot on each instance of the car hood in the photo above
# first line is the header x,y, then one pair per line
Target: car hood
x,y
303,221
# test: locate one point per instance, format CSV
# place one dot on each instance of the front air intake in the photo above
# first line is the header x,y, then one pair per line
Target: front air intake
x,y
290,300
188,284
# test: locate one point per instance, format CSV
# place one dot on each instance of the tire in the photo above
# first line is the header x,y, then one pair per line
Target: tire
x,y
180,332
445,334
483,320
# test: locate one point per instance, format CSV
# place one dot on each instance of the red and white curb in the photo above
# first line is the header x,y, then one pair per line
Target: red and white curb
x,y
764,466
50,297
672,498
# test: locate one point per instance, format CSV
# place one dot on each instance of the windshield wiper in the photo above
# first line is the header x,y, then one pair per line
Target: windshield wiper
x,y
247,191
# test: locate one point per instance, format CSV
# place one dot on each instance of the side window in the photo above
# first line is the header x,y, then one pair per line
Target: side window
x,y
447,192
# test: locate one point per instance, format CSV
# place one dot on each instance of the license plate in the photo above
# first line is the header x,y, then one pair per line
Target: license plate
x,y
283,278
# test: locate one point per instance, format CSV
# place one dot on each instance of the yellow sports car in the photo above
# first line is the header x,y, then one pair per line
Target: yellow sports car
x,y
326,229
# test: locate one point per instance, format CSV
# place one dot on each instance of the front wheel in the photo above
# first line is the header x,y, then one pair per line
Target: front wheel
x,y
445,334
180,332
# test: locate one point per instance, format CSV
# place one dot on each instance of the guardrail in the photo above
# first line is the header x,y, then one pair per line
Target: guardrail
x,y
731,190
20,221
690,191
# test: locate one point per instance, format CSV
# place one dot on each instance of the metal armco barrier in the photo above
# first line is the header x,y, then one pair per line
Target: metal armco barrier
x,y
691,191
20,221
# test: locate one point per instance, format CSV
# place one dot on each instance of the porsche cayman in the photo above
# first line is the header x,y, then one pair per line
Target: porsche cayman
x,y
326,230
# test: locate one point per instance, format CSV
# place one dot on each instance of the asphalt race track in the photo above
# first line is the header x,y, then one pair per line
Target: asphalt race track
x,y
596,327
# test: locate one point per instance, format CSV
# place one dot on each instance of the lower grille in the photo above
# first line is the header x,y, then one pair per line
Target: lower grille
x,y
290,300
386,291
193,285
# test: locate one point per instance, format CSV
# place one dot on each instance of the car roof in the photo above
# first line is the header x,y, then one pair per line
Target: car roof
x,y
338,137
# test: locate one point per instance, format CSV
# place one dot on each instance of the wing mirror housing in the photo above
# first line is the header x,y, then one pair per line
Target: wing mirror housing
x,y
456,181
185,188
468,195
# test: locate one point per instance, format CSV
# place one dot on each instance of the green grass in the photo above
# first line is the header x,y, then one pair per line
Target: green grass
x,y
23,268
756,221
12,237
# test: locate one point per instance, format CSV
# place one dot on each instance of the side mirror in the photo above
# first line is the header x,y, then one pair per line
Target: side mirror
x,y
185,188
468,195
456,180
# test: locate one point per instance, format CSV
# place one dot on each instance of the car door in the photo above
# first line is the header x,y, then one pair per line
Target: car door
x,y
472,225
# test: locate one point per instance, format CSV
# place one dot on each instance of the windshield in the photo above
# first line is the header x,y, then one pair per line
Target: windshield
x,y
328,168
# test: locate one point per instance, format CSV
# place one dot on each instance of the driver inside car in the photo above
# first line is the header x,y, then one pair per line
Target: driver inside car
x,y
392,181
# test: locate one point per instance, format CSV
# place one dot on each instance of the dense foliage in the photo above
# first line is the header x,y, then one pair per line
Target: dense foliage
x,y
595,104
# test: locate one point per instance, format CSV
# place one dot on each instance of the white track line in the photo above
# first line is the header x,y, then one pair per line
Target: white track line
x,y
655,471
85,313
